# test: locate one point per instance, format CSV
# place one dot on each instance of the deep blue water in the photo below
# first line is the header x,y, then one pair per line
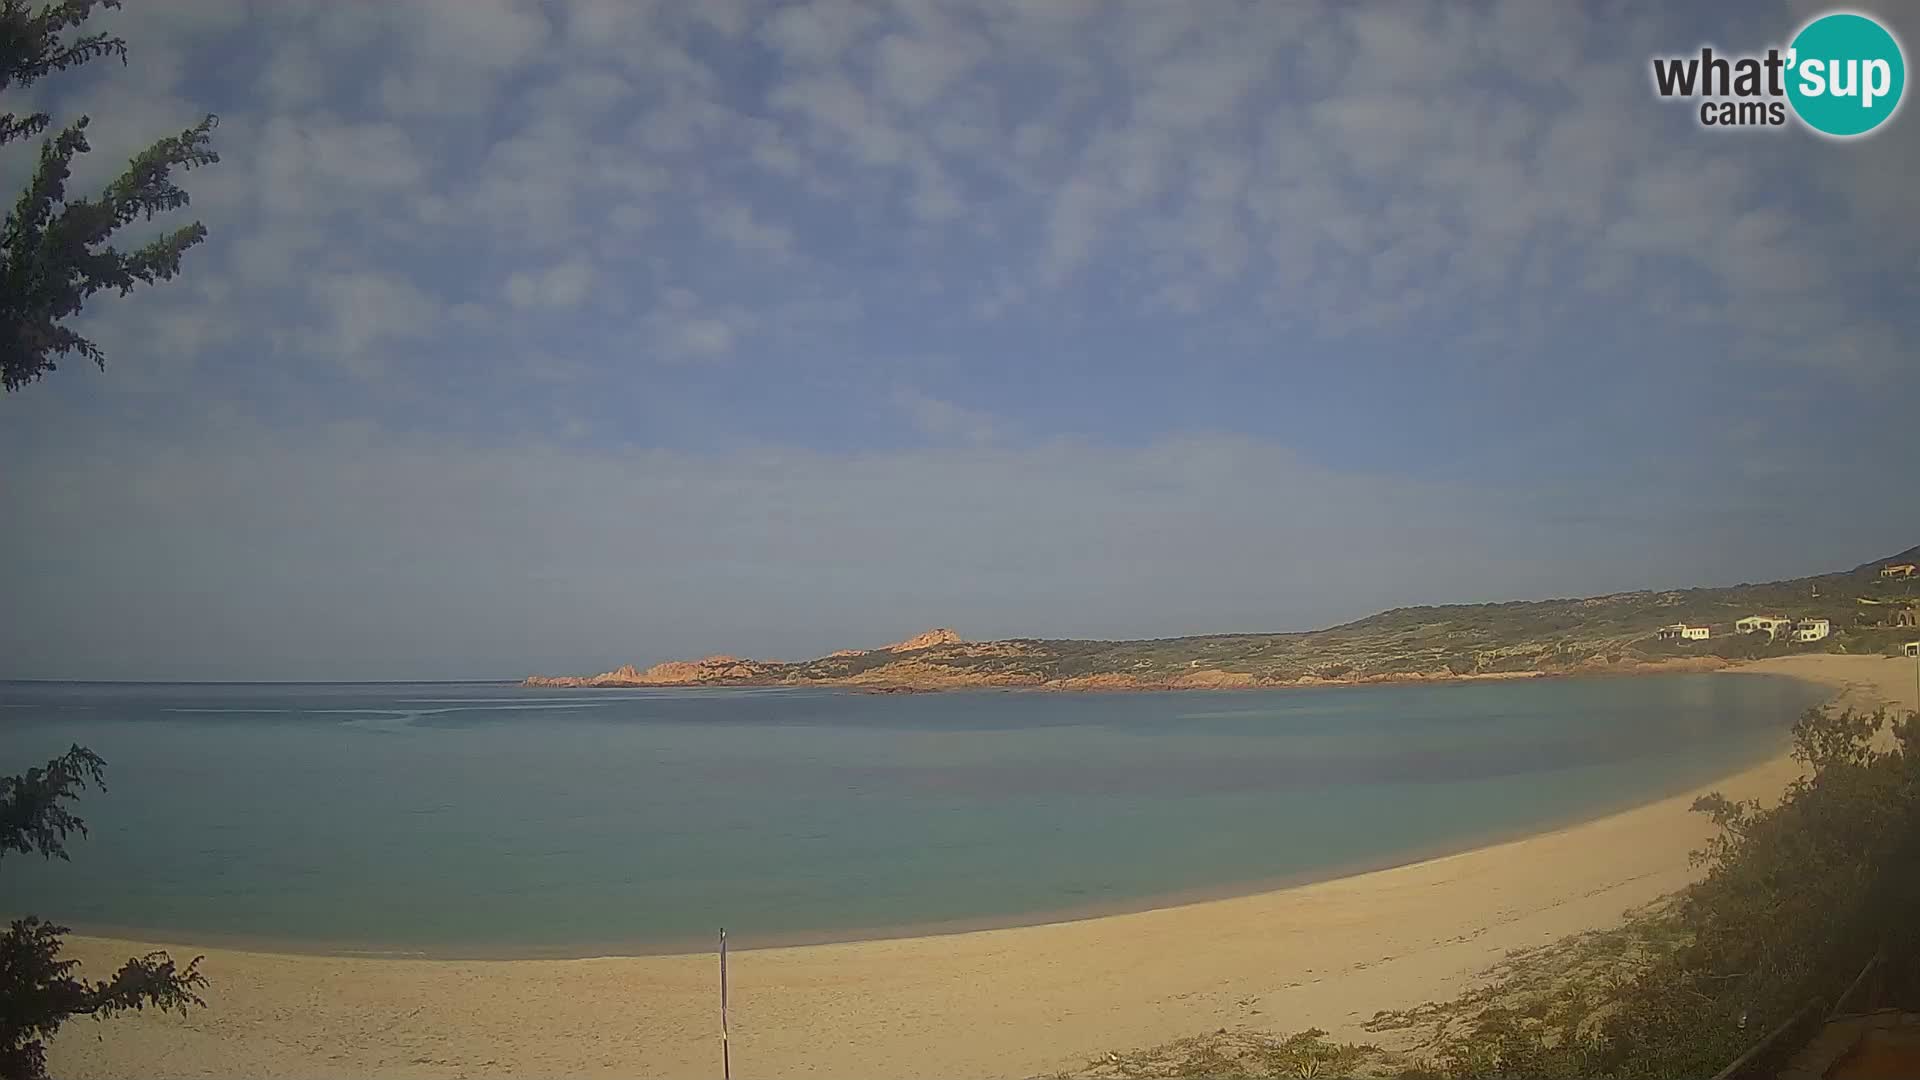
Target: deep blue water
x,y
488,818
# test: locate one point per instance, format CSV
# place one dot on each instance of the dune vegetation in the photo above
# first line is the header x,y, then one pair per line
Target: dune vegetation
x,y
1796,899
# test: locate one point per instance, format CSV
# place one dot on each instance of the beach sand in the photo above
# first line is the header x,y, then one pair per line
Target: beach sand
x,y
994,1003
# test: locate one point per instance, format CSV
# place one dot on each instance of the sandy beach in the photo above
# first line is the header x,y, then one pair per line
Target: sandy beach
x,y
994,1003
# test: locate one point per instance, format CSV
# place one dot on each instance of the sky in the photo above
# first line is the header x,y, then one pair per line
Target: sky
x,y
546,337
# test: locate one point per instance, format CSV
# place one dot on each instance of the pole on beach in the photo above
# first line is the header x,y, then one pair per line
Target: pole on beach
x,y
726,1061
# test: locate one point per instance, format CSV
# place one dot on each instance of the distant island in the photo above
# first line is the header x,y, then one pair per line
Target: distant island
x,y
1869,609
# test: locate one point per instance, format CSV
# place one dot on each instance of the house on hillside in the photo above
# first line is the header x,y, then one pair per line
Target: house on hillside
x,y
1682,632
1898,570
1811,629
1771,625
1911,648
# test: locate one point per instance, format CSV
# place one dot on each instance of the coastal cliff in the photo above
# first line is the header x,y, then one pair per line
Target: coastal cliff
x,y
1521,639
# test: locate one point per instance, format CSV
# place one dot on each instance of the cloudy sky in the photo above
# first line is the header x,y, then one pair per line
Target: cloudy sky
x,y
551,336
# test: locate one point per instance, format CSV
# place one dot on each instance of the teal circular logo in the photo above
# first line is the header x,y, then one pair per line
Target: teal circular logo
x,y
1845,74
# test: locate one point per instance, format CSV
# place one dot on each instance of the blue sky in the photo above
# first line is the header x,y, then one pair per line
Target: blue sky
x,y
545,337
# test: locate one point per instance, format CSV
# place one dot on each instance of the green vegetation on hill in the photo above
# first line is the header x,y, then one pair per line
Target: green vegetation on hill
x,y
1541,636
1528,637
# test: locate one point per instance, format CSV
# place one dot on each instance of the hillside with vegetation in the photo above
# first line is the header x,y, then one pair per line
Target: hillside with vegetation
x,y
1502,640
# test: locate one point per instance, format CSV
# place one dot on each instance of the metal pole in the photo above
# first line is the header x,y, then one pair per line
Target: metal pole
x,y
726,1058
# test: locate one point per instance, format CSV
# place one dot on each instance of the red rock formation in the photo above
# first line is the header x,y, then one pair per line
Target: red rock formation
x,y
939,636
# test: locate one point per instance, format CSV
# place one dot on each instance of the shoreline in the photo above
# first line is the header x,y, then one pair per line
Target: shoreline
x,y
1013,1001
739,942
1210,679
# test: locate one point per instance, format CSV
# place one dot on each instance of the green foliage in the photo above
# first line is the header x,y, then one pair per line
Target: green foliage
x,y
54,250
1536,637
33,813
1521,637
54,255
1795,900
1308,1054
1305,1055
1755,646
38,990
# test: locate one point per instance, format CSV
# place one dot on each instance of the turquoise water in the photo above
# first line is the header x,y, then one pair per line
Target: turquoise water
x,y
492,819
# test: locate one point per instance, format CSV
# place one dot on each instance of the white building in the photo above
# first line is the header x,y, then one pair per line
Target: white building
x,y
1682,632
1811,629
1771,625
1912,648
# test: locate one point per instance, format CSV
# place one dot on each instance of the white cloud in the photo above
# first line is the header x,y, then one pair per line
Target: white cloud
x,y
914,70
550,185
1285,154
313,162
492,34
1065,132
1199,89
842,115
684,326
563,285
1072,230
736,224
943,421
363,317
935,198
631,216
816,32
703,337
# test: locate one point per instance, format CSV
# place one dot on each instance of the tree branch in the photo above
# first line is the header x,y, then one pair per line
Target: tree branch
x,y
30,45
32,814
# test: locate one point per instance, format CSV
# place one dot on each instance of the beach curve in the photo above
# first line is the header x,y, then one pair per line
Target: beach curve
x,y
1003,1002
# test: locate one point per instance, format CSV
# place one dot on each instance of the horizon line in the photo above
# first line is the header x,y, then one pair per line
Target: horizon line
x,y
263,682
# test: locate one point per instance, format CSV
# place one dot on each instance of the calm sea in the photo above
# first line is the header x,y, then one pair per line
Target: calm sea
x,y
483,819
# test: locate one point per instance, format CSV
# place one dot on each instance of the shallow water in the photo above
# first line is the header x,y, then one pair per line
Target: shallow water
x,y
488,819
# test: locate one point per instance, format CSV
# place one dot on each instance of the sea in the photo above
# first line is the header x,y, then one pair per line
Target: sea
x,y
488,819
